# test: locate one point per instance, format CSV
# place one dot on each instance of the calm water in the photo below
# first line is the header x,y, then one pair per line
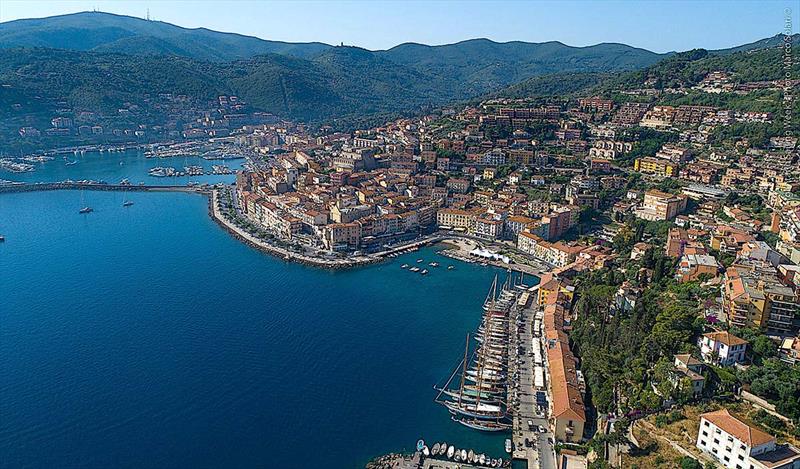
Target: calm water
x,y
112,167
148,337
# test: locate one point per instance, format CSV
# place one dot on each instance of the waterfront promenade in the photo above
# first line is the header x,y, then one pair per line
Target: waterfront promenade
x,y
258,243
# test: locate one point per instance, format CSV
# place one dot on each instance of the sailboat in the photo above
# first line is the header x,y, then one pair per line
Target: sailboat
x,y
86,208
126,202
478,400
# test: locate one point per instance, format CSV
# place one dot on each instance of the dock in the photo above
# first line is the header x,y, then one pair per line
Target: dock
x,y
431,463
98,186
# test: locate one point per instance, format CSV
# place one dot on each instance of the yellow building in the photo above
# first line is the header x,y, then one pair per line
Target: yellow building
x,y
455,218
550,286
657,166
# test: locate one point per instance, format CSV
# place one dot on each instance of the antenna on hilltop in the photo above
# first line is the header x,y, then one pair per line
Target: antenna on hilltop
x,y
148,14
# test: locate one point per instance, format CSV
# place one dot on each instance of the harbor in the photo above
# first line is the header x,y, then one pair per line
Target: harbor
x,y
266,371
499,384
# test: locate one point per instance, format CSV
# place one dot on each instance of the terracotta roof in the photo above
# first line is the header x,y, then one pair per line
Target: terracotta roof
x,y
688,360
743,432
725,337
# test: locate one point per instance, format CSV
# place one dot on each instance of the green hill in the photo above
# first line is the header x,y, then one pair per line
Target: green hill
x,y
106,32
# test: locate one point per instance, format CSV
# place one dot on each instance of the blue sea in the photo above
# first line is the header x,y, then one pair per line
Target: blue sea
x,y
147,336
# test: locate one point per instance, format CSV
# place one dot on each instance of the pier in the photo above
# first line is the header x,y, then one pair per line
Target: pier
x,y
97,186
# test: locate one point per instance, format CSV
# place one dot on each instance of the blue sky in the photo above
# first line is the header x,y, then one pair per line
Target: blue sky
x,y
659,26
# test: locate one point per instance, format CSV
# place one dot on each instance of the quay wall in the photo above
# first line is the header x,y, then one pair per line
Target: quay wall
x,y
57,186
250,240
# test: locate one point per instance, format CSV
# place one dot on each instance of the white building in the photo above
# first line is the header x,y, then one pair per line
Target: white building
x,y
737,445
722,347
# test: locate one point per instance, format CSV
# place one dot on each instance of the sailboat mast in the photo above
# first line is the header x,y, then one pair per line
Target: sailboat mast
x,y
464,371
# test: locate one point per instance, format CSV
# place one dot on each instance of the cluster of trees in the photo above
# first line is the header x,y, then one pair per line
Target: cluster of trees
x,y
646,143
620,350
777,382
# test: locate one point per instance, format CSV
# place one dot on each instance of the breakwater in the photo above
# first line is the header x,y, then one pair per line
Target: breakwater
x,y
96,186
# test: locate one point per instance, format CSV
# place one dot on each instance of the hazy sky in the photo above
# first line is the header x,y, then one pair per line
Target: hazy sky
x,y
656,25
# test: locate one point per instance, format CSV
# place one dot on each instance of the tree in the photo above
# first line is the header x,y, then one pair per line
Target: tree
x,y
690,463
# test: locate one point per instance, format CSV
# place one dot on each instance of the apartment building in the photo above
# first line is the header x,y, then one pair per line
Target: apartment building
x,y
659,206
341,236
754,296
455,218
656,166
567,411
736,445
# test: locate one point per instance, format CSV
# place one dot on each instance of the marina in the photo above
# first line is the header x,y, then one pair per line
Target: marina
x,y
476,394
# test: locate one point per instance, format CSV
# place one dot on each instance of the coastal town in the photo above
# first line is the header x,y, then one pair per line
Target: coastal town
x,y
659,325
643,193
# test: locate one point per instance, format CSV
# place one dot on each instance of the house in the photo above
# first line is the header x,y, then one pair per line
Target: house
x,y
789,350
688,367
723,348
737,445
692,266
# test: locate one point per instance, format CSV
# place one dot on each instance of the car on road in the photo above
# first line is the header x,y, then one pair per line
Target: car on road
x,y
542,429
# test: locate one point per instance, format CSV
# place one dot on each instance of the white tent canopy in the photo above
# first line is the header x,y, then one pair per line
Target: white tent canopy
x,y
486,254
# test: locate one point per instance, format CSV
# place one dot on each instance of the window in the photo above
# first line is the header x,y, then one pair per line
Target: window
x,y
714,450
705,433
702,442
705,423
726,458
741,458
716,441
742,447
738,466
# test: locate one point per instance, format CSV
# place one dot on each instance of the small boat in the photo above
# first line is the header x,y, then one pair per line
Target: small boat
x,y
434,264
414,269
471,456
482,459
419,261
2,238
463,455
450,450
424,271
420,444
404,266
442,448
508,445
435,449
450,267
127,203
86,210
425,451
